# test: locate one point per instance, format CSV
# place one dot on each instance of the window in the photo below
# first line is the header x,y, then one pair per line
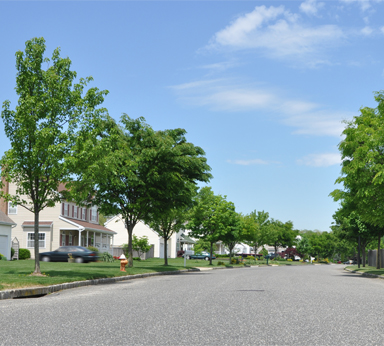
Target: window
x,y
63,239
70,238
75,212
12,208
65,209
83,214
31,240
94,214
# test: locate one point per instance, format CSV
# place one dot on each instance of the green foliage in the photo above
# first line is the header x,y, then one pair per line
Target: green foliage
x,y
140,245
95,249
251,258
264,251
106,257
43,127
255,227
24,254
202,245
12,251
1,256
136,258
220,263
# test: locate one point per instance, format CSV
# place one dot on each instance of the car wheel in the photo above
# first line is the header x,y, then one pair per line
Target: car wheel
x,y
206,258
79,260
45,259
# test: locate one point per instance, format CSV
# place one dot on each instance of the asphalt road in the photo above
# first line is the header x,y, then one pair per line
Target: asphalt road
x,y
310,305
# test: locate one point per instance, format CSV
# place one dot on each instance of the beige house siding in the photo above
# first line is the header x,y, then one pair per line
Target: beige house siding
x,y
53,224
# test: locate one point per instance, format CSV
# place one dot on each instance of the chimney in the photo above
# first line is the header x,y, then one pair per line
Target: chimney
x,y
3,203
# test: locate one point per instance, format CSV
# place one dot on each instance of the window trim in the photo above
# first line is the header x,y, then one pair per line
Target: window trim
x,y
32,240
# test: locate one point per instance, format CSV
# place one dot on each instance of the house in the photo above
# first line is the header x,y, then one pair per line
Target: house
x,y
177,241
6,225
64,224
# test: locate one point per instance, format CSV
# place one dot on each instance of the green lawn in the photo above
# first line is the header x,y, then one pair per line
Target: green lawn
x,y
367,269
15,274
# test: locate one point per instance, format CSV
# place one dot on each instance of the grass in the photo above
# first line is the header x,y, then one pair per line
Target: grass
x,y
15,274
367,269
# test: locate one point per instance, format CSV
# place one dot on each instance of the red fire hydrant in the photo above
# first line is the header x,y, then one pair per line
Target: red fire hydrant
x,y
123,262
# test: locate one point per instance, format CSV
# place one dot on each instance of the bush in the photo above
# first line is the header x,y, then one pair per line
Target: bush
x,y
1,256
24,254
4,258
12,251
250,258
221,255
136,258
289,260
235,261
107,257
92,248
220,263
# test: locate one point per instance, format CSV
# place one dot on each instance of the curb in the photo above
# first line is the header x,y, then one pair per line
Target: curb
x,y
365,274
35,292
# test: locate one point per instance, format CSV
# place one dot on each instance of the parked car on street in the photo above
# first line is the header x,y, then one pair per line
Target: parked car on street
x,y
202,255
79,253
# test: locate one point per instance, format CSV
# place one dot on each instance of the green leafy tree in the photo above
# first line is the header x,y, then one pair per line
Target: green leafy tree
x,y
202,245
280,234
233,233
210,218
167,223
140,244
137,172
42,128
255,228
362,173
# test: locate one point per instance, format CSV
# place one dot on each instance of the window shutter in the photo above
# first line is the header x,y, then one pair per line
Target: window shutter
x,y
62,212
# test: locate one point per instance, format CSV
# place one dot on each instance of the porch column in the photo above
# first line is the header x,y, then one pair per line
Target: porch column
x,y
80,230
94,239
87,238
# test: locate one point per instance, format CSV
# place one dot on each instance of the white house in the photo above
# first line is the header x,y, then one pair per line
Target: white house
x,y
178,241
64,224
6,225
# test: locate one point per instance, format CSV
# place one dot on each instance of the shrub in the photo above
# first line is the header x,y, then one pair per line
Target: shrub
x,y
220,263
24,254
1,256
12,251
235,261
289,260
4,258
92,248
137,258
221,255
250,258
107,257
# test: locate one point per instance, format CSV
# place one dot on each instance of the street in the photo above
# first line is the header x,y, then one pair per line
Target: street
x,y
288,305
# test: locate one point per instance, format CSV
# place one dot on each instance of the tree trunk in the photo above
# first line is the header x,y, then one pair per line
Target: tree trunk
x,y
363,254
129,227
165,251
358,253
378,264
210,259
36,245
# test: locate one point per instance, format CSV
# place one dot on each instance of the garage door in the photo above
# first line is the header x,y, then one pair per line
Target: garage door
x,y
4,245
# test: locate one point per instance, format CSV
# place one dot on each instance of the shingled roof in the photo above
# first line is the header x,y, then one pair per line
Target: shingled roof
x,y
4,219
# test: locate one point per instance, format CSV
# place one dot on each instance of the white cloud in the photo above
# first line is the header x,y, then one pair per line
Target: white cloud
x,y
382,29
311,7
364,4
277,32
249,162
367,31
307,118
320,160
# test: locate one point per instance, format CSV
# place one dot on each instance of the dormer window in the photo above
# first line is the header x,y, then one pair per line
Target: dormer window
x,y
93,213
65,209
75,212
83,214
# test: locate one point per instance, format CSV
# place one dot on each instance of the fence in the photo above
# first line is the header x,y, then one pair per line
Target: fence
x,y
372,258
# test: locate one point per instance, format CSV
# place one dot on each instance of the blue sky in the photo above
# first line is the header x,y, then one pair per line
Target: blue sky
x,y
261,86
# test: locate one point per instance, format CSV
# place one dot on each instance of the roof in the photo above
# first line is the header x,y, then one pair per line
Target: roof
x,y
185,239
88,226
4,219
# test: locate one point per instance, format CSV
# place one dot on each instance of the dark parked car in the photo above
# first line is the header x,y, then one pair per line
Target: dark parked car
x,y
79,253
202,255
